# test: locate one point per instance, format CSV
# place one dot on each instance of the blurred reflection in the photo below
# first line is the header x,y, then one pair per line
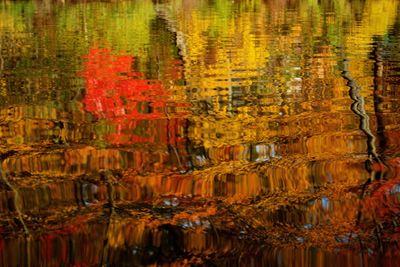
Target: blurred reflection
x,y
180,132
137,108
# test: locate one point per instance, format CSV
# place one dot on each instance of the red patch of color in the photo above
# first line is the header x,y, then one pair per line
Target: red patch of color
x,y
137,107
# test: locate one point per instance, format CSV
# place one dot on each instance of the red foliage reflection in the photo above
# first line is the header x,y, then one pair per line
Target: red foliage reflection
x,y
137,107
382,204
381,207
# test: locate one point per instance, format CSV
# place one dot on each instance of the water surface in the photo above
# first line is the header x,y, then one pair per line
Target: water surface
x,y
194,132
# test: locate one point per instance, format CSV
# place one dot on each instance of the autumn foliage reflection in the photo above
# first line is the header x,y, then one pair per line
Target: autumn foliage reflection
x,y
137,107
381,205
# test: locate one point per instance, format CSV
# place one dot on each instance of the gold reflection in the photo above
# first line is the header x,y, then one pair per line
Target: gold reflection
x,y
177,132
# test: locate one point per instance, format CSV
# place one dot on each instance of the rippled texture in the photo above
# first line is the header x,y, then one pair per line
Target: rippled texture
x,y
194,132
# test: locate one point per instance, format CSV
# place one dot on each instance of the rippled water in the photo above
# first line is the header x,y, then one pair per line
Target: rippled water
x,y
195,132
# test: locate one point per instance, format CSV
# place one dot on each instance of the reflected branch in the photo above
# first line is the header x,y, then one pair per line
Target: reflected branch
x,y
17,200
18,204
111,204
358,107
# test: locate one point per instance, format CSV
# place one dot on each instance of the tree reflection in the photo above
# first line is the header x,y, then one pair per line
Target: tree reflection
x,y
137,107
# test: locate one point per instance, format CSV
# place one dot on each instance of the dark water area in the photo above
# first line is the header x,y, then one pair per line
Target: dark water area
x,y
200,133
